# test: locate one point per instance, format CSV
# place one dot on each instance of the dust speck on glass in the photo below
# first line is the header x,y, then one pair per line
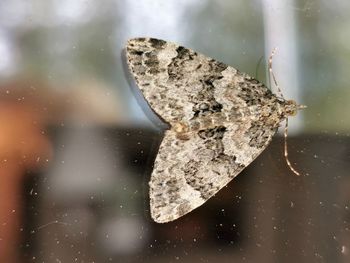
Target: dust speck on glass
x,y
220,120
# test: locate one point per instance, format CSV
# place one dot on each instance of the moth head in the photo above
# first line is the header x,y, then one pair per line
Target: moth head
x,y
291,107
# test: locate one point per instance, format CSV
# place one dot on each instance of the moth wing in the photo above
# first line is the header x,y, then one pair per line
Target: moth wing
x,y
188,172
176,80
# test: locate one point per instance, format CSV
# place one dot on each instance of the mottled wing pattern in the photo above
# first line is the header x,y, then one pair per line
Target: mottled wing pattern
x,y
187,173
164,73
217,117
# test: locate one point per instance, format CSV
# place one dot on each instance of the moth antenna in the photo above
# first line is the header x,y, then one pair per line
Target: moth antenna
x,y
271,74
286,150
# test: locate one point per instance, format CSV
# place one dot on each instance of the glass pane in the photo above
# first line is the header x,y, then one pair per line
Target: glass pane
x,y
78,142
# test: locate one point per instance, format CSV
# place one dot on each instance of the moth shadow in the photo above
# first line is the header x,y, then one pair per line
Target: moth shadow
x,y
157,120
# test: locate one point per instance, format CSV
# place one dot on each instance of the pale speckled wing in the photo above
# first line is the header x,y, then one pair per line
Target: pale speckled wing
x,y
220,121
164,73
187,173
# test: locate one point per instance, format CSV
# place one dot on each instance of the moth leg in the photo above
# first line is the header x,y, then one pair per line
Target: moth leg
x,y
286,149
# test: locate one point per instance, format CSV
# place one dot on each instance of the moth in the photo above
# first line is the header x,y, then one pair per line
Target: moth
x,y
220,120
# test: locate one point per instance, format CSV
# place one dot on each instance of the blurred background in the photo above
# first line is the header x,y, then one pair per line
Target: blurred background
x,y
76,148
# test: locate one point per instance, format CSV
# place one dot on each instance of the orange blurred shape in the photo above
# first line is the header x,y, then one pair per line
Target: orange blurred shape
x,y
24,146
23,141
